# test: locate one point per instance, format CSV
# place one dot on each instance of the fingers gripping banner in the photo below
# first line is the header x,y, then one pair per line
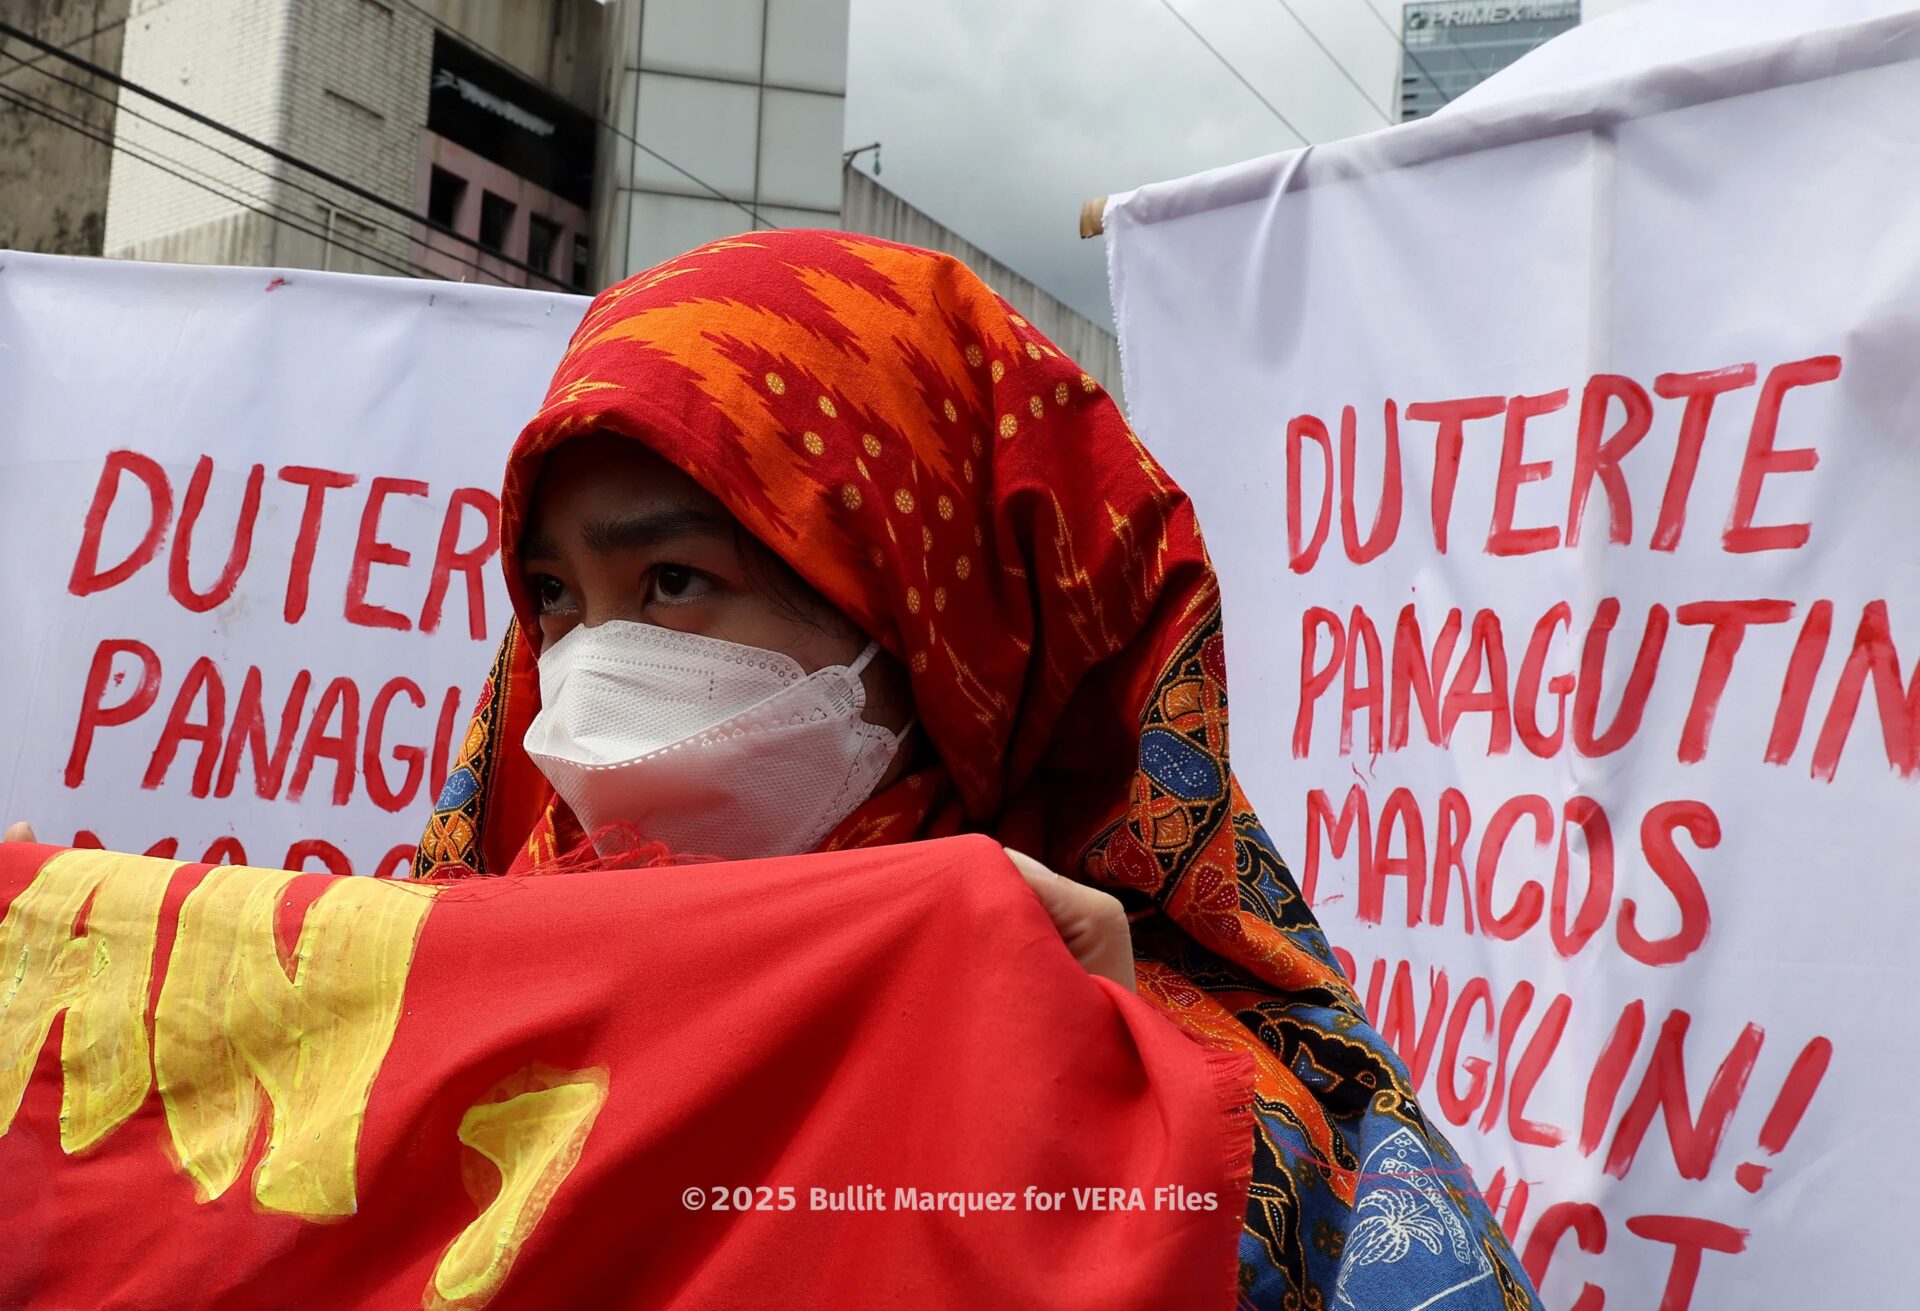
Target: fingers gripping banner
x,y
1559,460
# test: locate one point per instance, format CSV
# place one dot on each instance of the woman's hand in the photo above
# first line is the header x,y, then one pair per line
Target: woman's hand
x,y
21,832
1092,923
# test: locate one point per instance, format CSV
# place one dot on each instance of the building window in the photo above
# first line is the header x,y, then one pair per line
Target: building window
x,y
543,237
352,246
505,119
496,216
444,193
580,263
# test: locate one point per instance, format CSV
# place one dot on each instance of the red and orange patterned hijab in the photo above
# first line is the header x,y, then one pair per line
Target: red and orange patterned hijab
x,y
963,491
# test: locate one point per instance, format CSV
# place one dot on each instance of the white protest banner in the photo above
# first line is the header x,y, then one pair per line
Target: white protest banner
x,y
247,523
1560,457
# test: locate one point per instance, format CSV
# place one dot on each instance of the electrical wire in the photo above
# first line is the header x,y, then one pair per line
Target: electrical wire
x,y
1315,38
1238,75
752,213
433,20
199,178
1400,41
101,30
285,157
1480,74
317,194
14,96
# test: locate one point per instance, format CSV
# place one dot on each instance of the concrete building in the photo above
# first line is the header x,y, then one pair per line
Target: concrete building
x,y
480,115
741,106
507,154
560,143
1451,46
547,143
53,169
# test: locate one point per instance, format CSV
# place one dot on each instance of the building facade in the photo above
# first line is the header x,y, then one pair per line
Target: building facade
x,y
552,143
475,117
733,113
559,144
1451,46
55,126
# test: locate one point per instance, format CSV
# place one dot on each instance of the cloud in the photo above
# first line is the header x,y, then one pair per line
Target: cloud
x,y
999,117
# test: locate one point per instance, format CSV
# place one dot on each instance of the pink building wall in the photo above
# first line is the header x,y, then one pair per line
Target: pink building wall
x,y
455,260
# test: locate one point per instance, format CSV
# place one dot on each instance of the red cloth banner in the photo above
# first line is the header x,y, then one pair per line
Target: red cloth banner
x,y
841,1080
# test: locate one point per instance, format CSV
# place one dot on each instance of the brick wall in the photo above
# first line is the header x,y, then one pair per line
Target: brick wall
x,y
222,58
356,103
340,83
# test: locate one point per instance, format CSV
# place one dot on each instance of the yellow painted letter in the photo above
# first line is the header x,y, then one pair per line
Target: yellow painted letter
x,y
100,979
232,1024
533,1139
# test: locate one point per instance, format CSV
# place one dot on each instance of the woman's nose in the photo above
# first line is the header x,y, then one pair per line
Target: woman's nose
x,y
597,610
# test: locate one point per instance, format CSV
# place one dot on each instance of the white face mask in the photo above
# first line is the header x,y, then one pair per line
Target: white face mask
x,y
713,748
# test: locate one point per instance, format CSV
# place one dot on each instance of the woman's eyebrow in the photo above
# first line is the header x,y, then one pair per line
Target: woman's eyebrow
x,y
536,545
652,528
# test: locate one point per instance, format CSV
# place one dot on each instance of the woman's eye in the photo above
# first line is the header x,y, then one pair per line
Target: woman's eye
x,y
676,583
549,593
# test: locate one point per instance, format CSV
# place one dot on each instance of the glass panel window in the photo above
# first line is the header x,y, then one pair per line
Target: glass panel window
x,y
496,216
543,236
445,191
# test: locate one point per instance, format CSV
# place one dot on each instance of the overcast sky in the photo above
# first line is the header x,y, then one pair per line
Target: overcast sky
x,y
999,117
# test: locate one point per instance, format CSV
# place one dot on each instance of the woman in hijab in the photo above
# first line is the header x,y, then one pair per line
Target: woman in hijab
x,y
816,544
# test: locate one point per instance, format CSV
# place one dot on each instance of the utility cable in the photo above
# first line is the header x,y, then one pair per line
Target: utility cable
x,y
13,96
1238,75
1351,80
285,157
82,39
1400,41
204,144
752,213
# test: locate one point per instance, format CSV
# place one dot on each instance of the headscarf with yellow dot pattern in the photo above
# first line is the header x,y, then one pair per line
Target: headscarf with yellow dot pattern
x,y
965,493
